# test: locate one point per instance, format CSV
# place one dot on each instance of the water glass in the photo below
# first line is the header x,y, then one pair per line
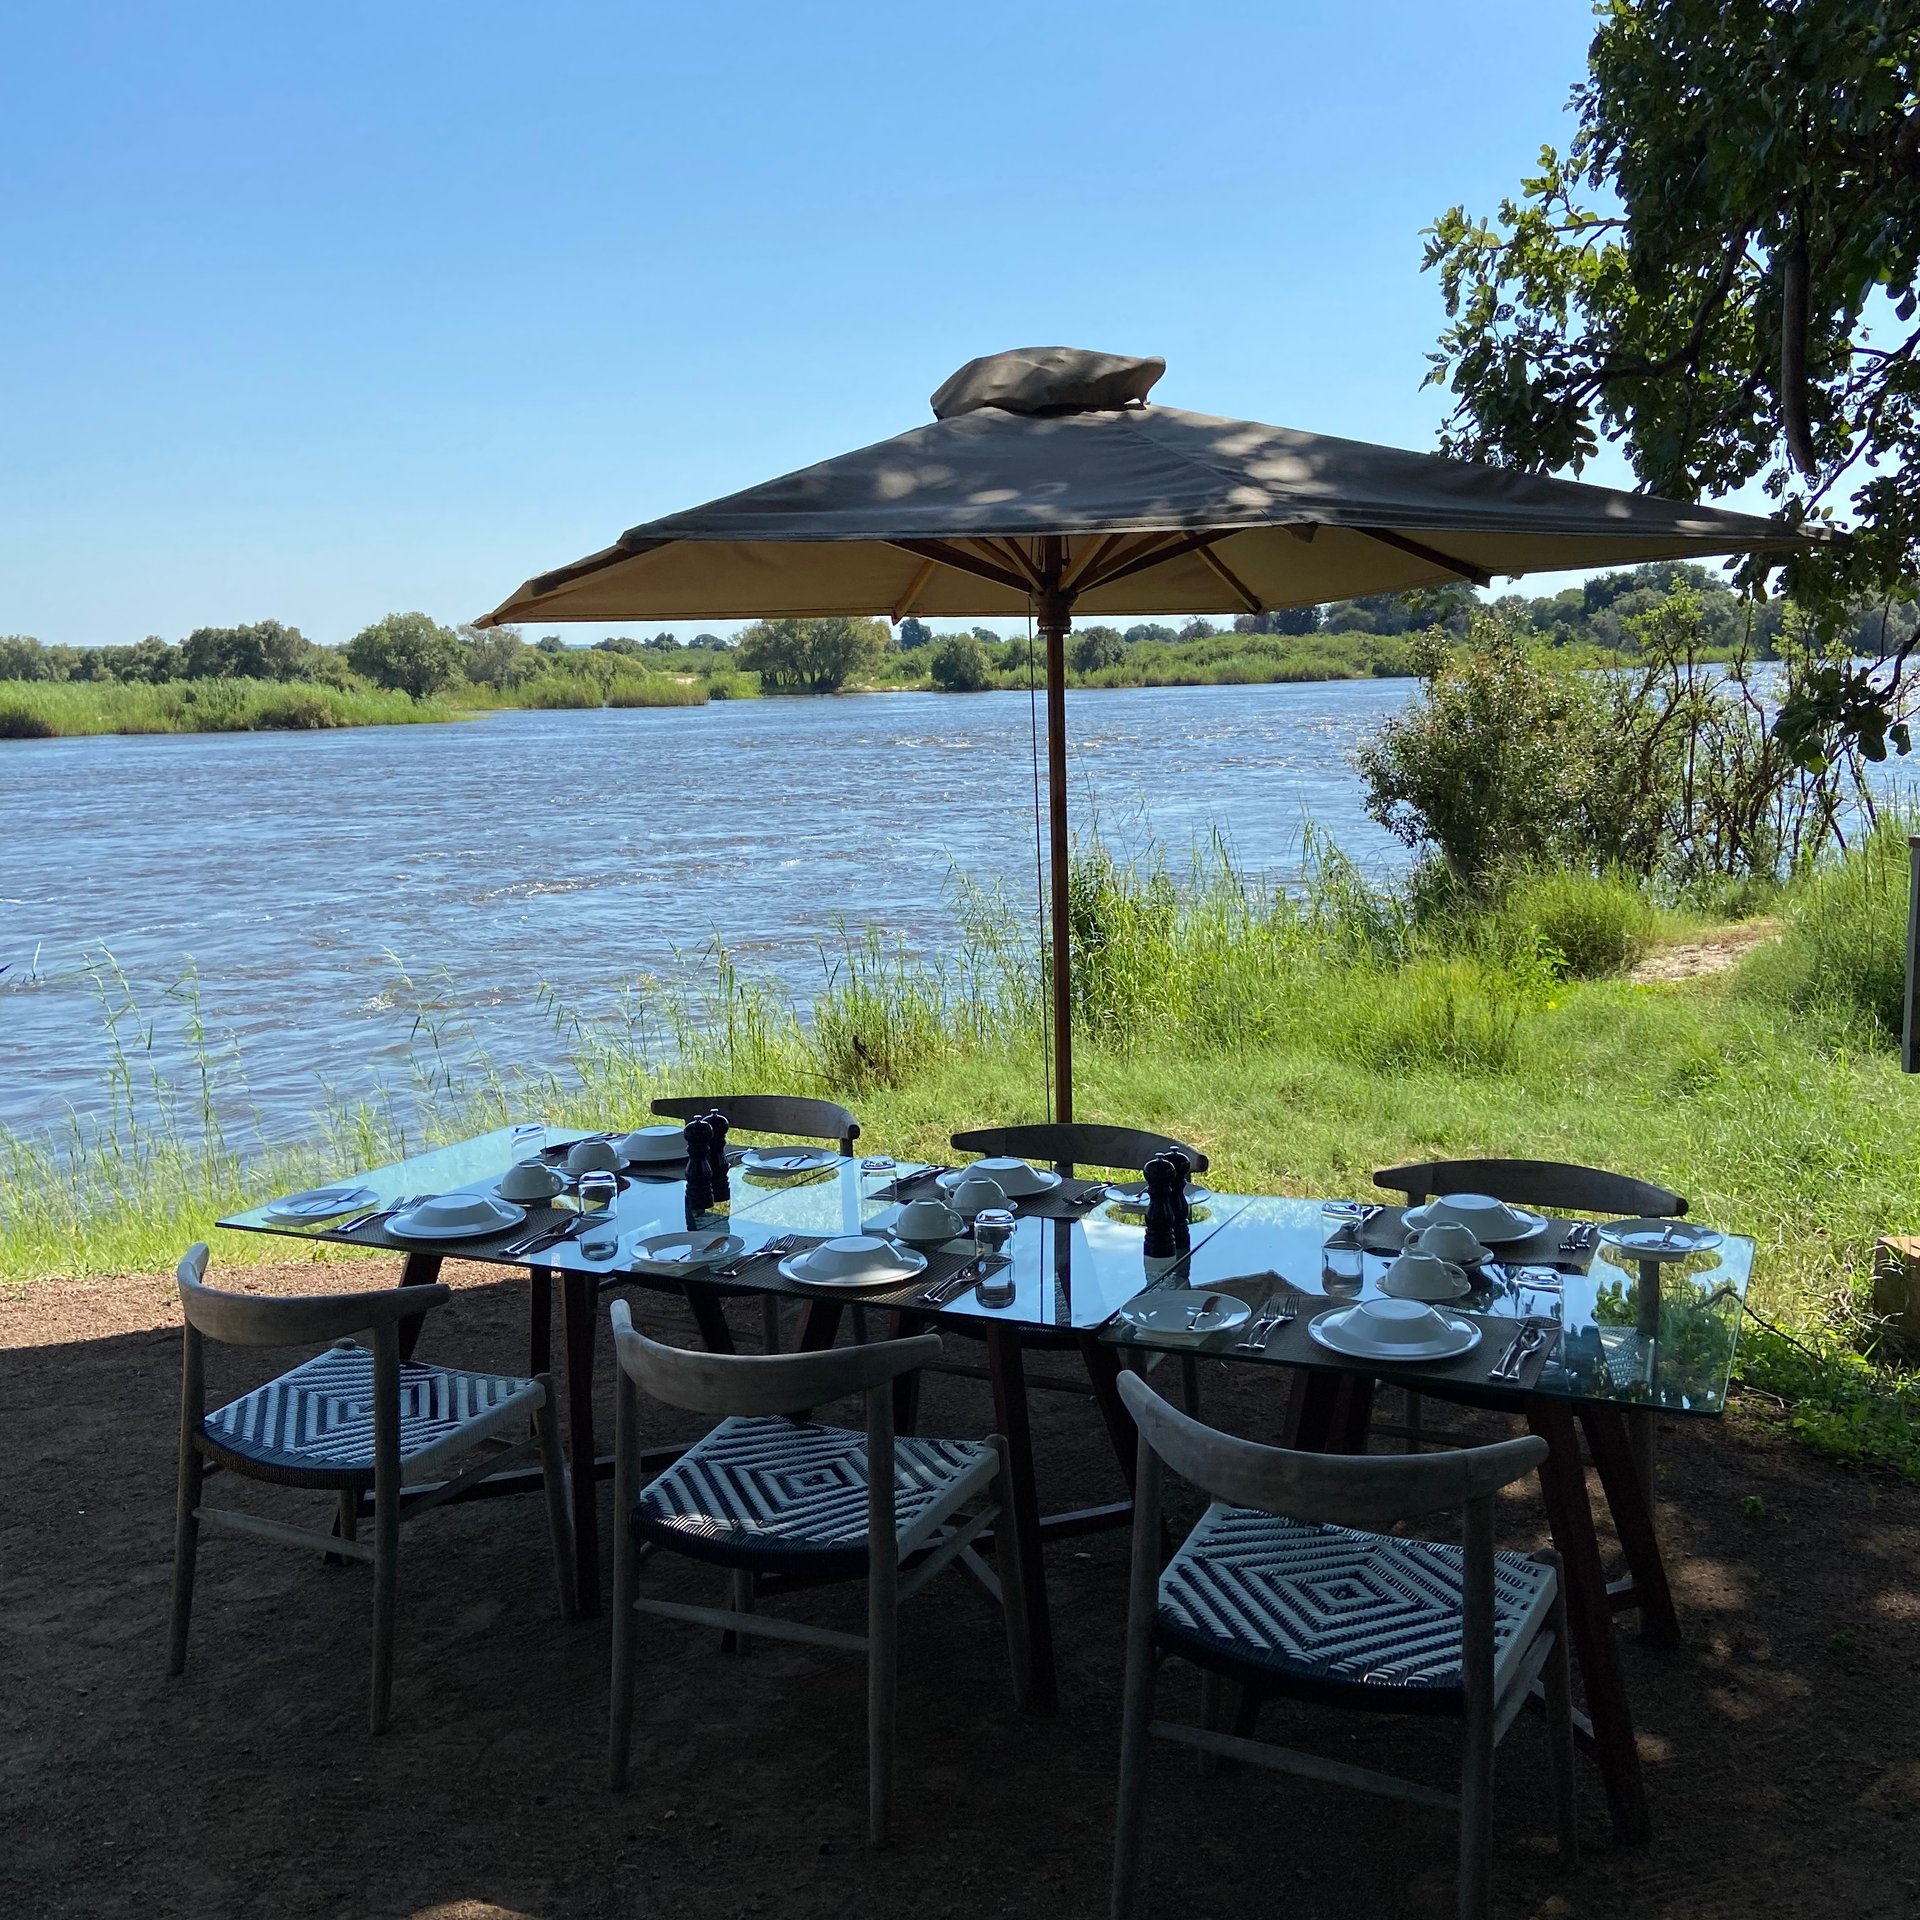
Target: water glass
x,y
1341,1271
529,1142
597,1192
992,1230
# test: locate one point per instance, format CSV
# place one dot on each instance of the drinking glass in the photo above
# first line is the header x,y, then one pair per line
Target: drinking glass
x,y
1341,1271
992,1229
597,1192
529,1141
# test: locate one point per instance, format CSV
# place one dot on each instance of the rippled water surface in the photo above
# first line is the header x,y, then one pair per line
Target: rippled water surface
x,y
578,850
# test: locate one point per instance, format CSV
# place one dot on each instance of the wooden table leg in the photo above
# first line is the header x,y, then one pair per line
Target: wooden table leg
x,y
1313,1412
1609,1442
579,1299
416,1270
906,1386
1022,1534
1563,1486
820,1325
1103,1369
711,1318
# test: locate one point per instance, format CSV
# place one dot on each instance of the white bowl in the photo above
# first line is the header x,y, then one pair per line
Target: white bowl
x,y
1424,1276
458,1212
1484,1217
592,1156
1015,1178
975,1193
530,1180
851,1254
652,1143
929,1220
1408,1324
1449,1240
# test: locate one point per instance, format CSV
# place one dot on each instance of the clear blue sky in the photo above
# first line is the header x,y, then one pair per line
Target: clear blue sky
x,y
324,312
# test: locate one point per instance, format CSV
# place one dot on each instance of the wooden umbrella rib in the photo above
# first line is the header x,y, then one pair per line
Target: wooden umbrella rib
x,y
945,554
904,605
1008,549
1171,547
1465,569
1249,600
1090,557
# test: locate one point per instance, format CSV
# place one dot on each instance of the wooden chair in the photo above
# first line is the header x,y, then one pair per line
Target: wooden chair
x,y
794,1115
1562,1187
1287,1587
767,1493
347,1421
1070,1144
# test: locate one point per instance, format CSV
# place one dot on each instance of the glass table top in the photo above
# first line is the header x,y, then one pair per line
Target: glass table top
x,y
1661,1338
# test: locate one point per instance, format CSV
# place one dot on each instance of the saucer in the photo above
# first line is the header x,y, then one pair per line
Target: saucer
x,y
1168,1311
1520,1223
1661,1239
789,1159
1345,1331
900,1264
456,1216
320,1203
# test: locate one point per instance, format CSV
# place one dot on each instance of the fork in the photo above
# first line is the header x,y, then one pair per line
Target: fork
x,y
379,1213
1526,1343
1580,1236
777,1248
550,1237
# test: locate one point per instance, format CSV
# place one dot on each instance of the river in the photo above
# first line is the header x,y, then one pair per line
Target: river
x,y
298,874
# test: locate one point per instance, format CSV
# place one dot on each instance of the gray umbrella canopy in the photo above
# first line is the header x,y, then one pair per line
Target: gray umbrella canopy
x,y
1047,484
1153,509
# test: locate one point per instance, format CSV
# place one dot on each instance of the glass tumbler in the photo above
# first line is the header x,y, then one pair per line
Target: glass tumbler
x,y
992,1230
1341,1271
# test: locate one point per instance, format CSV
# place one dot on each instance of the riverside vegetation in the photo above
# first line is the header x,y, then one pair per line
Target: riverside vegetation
x,y
1487,1005
408,668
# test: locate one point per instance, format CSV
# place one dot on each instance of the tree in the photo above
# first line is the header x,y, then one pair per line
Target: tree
x,y
1097,647
812,656
914,633
1198,629
22,657
960,664
622,644
266,650
1148,630
710,642
1738,307
497,656
408,652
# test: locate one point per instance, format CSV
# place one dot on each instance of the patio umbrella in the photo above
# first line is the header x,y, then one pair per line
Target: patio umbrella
x,y
1048,485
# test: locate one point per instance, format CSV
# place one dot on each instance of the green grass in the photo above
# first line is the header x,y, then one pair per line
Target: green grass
x,y
1302,1043
45,710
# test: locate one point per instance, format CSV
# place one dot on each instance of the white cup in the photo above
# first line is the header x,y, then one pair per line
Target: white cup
x,y
975,1192
530,1180
1449,1240
592,1156
930,1220
1422,1276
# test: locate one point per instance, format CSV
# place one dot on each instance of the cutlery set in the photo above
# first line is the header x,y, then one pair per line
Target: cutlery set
x,y
943,1293
1524,1345
776,1249
1279,1310
378,1214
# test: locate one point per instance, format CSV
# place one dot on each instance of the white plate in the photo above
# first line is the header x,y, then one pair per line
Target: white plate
x,y
1133,1193
905,1264
321,1203
1333,1331
684,1252
1458,1286
1660,1239
1527,1225
652,1147
1043,1180
490,1215
1169,1311
789,1159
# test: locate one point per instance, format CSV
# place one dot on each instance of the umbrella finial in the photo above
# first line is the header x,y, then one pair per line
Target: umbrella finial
x,y
1049,380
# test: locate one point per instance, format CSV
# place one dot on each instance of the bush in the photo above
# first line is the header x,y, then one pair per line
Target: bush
x,y
959,664
657,690
1843,951
1596,925
299,709
555,690
19,721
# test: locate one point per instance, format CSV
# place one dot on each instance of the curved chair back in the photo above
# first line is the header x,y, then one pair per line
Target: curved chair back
x,y
1345,1490
1560,1186
293,1320
1075,1144
750,1383
788,1113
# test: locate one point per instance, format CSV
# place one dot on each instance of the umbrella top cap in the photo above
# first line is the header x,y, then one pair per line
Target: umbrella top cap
x,y
1049,380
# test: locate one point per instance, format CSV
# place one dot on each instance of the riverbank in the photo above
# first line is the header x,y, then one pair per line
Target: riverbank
x,y
49,710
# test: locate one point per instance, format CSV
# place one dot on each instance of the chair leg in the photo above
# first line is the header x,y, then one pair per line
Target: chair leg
x,y
1013,1583
1190,1385
1476,1812
1558,1680
553,1473
1136,1714
883,1654
349,1526
626,1563
186,1541
770,1322
740,1598
1213,1705
1414,1422
386,1571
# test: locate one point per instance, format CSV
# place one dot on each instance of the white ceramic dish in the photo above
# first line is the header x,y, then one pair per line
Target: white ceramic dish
x,y
1661,1239
1492,1222
650,1144
320,1203
1171,1311
684,1252
456,1216
1015,1178
1384,1330
1447,1240
1424,1276
854,1260
1133,1193
530,1180
927,1223
789,1159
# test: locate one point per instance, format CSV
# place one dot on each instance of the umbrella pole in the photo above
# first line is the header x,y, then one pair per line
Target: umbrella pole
x,y
1055,615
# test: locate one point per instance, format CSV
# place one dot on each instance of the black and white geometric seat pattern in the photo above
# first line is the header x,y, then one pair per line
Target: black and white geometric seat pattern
x,y
317,1421
768,1492
1325,1611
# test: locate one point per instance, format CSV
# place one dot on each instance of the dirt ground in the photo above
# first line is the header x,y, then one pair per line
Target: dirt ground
x,y
1780,1742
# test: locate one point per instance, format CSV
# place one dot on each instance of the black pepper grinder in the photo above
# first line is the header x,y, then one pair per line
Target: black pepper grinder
x,y
1162,1184
698,1133
1182,1207
720,1192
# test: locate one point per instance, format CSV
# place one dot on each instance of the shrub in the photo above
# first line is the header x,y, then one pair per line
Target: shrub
x,y
19,721
556,690
1843,950
299,709
1595,924
959,664
657,690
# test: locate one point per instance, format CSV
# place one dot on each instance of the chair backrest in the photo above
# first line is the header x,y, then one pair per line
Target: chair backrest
x,y
748,1383
1558,1185
1347,1490
1074,1144
293,1320
789,1113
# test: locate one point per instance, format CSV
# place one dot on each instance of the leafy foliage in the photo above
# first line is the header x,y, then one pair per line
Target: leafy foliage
x,y
960,664
812,656
408,652
1719,275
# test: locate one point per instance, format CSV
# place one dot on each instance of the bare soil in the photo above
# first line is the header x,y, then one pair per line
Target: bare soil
x,y
1779,1741
1694,959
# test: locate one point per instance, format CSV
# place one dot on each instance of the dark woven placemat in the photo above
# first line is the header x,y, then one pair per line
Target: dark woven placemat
x,y
1386,1233
762,1274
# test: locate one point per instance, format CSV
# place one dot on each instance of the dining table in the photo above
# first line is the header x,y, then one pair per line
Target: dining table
x,y
1622,1340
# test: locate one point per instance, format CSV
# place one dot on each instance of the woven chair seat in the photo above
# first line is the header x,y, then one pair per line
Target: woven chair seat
x,y
1333,1614
776,1495
314,1425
